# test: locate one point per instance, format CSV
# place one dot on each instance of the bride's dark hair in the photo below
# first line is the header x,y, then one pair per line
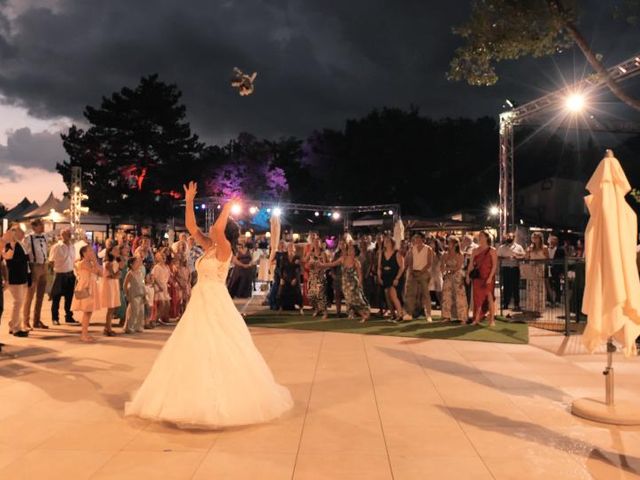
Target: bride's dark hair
x,y
232,232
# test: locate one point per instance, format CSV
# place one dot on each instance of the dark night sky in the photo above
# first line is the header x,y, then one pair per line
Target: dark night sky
x,y
318,61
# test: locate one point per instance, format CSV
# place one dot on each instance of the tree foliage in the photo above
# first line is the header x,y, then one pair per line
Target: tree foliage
x,y
137,152
499,30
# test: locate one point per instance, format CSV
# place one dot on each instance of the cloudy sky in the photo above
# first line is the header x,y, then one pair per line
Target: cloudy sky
x,y
318,62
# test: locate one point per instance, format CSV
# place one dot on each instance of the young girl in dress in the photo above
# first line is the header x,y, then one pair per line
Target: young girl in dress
x,y
88,272
175,293
183,276
135,292
149,303
161,274
110,294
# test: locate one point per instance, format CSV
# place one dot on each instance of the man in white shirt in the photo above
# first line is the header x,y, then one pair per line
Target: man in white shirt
x,y
418,265
36,247
509,253
63,256
182,240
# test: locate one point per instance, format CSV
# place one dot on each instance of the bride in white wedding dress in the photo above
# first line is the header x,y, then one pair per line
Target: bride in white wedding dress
x,y
209,374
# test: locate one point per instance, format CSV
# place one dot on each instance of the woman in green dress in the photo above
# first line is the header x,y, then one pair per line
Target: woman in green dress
x,y
354,297
317,286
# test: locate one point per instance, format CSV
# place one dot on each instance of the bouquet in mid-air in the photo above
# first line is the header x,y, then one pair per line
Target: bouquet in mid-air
x,y
243,82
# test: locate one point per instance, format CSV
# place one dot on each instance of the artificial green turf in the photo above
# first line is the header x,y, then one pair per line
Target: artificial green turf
x,y
503,332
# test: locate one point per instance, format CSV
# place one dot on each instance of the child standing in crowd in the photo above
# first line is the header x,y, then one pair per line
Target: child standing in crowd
x,y
183,277
161,274
135,292
175,293
149,303
110,291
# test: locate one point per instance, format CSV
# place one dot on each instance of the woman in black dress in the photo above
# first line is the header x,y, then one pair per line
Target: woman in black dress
x,y
240,281
289,293
390,271
18,268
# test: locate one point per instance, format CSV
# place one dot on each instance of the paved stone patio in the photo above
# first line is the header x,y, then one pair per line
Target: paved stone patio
x,y
367,407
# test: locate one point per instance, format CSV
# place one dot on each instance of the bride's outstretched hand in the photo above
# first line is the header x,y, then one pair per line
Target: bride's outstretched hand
x,y
190,191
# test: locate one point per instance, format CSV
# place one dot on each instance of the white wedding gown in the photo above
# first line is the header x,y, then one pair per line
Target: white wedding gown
x,y
209,373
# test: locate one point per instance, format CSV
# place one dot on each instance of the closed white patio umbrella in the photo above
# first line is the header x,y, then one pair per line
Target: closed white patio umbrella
x,y
612,289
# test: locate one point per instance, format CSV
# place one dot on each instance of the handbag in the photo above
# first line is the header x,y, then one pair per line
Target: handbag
x,y
82,294
475,271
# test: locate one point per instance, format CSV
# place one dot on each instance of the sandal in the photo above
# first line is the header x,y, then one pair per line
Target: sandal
x,y
109,333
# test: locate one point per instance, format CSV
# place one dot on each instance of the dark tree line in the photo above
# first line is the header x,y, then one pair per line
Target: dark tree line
x,y
139,150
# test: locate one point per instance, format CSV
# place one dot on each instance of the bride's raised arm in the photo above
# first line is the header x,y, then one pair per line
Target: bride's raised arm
x,y
224,248
190,192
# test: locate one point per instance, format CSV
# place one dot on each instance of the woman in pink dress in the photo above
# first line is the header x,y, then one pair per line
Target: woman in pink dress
x,y
110,287
87,293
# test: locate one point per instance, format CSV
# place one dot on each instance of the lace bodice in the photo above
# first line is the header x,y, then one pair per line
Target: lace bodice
x,y
211,269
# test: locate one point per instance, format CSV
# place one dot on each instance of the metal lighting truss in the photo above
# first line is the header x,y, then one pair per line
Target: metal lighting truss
x,y
212,203
555,100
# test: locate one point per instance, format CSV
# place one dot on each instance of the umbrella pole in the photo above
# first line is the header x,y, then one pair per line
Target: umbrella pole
x,y
608,373
620,413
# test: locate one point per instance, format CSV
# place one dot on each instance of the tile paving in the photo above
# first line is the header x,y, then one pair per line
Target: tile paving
x,y
367,407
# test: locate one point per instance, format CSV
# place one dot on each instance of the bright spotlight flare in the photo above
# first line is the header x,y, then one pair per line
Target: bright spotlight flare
x,y
494,210
277,211
236,209
575,102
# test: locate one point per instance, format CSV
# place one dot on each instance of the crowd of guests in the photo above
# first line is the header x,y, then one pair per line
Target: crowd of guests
x,y
138,286
401,280
407,279
540,265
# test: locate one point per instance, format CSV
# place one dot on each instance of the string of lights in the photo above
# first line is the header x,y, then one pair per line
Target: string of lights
x,y
336,212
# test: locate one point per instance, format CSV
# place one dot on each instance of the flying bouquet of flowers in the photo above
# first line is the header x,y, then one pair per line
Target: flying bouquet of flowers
x,y
243,82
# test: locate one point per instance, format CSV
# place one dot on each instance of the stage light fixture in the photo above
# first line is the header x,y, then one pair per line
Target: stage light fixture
x,y
494,210
277,211
390,212
236,209
253,210
575,102
316,214
335,215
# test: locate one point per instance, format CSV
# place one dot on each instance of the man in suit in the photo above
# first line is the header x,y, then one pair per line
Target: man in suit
x,y
36,247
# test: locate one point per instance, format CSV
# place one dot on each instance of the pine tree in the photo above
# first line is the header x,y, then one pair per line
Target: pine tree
x,y
137,152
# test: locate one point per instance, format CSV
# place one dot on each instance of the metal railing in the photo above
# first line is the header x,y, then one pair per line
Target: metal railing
x,y
546,294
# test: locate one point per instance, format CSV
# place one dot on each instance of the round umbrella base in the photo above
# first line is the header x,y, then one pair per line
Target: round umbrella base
x,y
620,413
